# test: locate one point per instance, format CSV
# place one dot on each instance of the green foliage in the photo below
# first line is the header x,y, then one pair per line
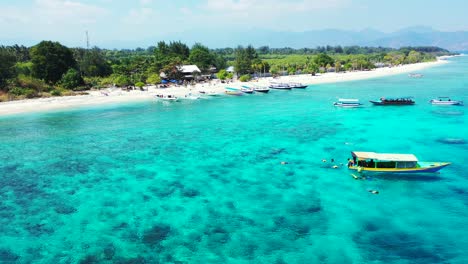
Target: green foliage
x,y
140,84
24,68
95,64
153,78
23,92
121,80
322,60
7,67
51,60
230,76
29,82
201,56
244,58
56,92
72,80
245,78
222,75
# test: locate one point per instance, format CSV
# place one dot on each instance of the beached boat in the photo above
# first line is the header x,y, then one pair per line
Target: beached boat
x,y
444,100
347,103
169,98
392,163
259,89
247,90
280,86
233,91
394,101
297,85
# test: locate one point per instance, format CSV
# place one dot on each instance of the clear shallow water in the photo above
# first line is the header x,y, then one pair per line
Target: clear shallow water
x,y
202,181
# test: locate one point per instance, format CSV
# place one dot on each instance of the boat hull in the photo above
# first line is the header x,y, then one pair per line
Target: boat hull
x,y
262,90
426,167
391,103
347,105
436,102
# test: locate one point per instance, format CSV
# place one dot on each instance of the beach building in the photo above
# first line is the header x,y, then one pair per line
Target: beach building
x,y
230,69
189,71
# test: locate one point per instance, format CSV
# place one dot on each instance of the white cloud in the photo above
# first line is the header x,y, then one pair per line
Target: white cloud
x,y
140,16
146,2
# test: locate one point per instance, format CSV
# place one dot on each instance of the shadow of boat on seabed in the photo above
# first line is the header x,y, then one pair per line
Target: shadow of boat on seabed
x,y
382,176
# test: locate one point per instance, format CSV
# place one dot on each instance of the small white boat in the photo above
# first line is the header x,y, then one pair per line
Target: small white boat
x,y
415,75
444,100
233,91
247,90
259,89
347,103
280,86
298,85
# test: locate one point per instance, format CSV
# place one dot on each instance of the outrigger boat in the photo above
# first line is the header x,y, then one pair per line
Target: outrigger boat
x,y
444,100
394,101
233,91
280,86
392,163
297,85
259,89
348,103
247,90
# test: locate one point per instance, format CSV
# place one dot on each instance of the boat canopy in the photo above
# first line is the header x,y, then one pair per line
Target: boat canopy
x,y
384,156
344,100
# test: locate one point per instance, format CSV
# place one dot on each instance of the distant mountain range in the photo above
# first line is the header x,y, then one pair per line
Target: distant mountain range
x,y
412,36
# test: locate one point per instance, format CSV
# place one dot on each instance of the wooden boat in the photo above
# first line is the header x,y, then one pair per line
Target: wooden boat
x,y
247,90
394,101
259,89
347,103
233,91
280,86
298,85
444,100
392,163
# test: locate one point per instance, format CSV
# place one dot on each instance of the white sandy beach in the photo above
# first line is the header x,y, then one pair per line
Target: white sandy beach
x,y
116,95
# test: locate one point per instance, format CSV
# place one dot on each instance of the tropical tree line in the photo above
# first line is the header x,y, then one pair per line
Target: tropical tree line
x,y
50,68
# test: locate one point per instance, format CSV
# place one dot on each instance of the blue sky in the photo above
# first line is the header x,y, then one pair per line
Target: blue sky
x,y
111,21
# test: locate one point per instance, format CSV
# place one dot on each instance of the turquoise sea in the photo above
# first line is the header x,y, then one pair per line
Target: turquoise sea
x,y
203,181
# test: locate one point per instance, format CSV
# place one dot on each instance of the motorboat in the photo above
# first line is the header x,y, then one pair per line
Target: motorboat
x,y
280,86
394,101
259,89
298,85
233,91
247,90
392,163
444,100
347,103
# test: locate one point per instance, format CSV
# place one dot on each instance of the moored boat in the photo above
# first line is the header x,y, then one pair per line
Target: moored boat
x,y
444,100
347,103
394,101
297,85
259,89
280,86
247,90
233,91
392,163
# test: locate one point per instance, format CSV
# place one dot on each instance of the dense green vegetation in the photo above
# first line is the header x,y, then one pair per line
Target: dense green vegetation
x,y
51,69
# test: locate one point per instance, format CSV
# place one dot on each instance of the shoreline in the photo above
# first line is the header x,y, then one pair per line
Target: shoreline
x,y
116,95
